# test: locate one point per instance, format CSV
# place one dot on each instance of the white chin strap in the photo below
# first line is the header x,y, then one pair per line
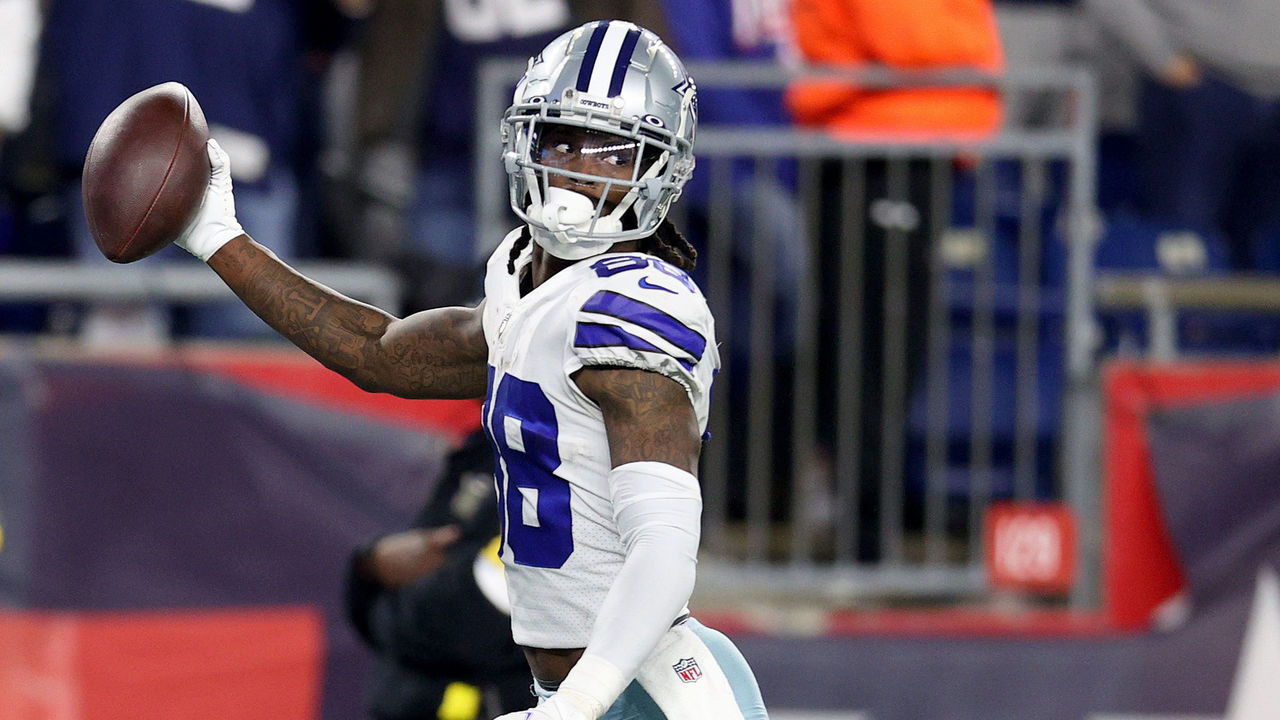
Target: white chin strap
x,y
565,211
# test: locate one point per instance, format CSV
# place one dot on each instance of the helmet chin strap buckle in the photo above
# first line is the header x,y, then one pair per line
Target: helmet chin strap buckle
x,y
564,212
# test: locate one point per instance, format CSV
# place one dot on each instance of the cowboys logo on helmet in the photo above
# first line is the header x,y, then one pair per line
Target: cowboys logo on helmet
x,y
610,89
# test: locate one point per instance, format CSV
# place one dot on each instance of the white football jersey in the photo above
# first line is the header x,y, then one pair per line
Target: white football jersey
x,y
560,543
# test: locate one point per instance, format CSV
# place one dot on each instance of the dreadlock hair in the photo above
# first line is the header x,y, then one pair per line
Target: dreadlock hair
x,y
666,243
521,243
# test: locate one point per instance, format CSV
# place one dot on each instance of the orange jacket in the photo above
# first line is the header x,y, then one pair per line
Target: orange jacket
x,y
904,34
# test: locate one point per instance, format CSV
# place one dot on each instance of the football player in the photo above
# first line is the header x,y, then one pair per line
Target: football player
x,y
595,353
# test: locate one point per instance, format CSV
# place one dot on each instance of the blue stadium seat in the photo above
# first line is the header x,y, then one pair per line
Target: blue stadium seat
x,y
1266,251
1134,244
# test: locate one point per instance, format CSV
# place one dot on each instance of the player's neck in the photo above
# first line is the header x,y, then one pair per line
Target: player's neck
x,y
545,265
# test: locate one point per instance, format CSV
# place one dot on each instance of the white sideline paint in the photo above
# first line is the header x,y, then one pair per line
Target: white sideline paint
x,y
1255,695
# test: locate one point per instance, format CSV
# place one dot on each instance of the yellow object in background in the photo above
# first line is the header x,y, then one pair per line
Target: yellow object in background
x,y
461,702
491,577
490,551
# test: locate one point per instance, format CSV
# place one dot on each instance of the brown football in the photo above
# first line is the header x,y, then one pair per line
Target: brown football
x,y
146,172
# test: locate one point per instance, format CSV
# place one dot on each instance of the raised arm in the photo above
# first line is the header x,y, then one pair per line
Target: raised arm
x,y
438,353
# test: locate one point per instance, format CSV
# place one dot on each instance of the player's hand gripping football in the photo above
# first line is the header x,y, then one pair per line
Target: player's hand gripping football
x,y
215,222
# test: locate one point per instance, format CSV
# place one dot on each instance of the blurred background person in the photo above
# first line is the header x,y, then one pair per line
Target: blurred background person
x,y
20,26
410,168
912,35
19,38
250,64
430,601
896,205
1208,118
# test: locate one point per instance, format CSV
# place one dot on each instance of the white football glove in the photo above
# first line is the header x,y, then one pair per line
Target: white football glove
x,y
215,222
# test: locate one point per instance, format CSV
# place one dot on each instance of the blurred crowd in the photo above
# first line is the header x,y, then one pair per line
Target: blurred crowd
x,y
349,124
351,128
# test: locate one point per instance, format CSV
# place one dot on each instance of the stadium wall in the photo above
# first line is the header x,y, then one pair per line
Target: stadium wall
x,y
175,528
183,502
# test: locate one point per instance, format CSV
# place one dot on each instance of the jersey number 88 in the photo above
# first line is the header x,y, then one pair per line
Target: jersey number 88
x,y
533,503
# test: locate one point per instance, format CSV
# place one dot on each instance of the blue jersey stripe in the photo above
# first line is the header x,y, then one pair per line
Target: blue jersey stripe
x,y
594,335
589,60
650,318
623,62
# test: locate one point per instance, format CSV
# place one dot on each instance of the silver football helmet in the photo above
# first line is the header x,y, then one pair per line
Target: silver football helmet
x,y
608,76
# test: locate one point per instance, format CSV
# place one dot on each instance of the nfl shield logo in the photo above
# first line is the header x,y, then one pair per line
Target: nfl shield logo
x,y
688,670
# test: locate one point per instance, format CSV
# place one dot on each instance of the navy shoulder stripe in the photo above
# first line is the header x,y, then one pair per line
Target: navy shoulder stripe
x,y
596,335
650,318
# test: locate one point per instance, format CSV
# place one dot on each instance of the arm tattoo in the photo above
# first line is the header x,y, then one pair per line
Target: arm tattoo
x,y
648,416
439,353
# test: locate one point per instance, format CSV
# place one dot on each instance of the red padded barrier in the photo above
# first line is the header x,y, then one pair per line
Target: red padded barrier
x,y
258,664
1141,569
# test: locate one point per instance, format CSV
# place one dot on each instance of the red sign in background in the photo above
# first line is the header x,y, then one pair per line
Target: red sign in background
x,y
1031,546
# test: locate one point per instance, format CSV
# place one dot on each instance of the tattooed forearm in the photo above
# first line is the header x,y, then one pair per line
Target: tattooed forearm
x,y
440,353
648,416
